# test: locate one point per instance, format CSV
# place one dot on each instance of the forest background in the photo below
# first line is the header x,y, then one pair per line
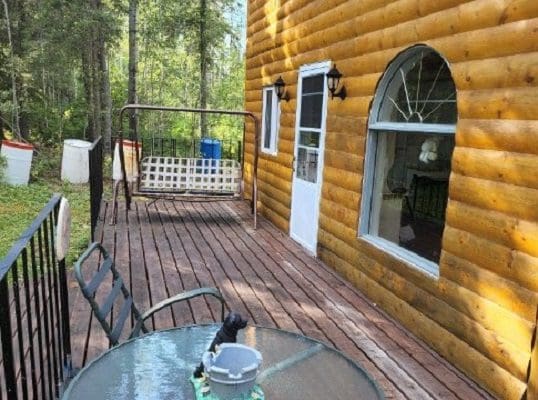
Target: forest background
x,y
68,66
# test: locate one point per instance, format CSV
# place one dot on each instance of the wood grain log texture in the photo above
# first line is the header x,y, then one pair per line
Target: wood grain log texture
x,y
510,199
338,41
495,134
498,166
475,364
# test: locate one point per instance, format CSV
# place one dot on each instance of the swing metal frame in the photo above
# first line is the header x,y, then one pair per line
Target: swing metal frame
x,y
134,190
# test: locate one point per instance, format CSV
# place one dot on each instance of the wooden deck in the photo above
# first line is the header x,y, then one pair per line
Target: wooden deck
x,y
165,247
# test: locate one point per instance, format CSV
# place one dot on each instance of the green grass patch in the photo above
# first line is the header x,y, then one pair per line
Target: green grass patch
x,y
19,206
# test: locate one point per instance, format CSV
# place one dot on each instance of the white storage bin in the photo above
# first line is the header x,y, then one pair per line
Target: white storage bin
x,y
75,161
19,161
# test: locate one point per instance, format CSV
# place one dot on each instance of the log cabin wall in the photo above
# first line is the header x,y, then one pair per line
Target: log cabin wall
x,y
480,312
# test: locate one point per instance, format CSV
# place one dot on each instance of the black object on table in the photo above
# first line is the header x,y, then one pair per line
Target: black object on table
x,y
159,365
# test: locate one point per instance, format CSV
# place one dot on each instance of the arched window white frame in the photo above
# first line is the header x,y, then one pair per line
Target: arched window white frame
x,y
409,148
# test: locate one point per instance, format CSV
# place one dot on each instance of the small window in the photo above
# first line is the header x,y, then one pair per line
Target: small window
x,y
408,158
270,121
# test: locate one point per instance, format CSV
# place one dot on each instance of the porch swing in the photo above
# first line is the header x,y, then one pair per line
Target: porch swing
x,y
156,170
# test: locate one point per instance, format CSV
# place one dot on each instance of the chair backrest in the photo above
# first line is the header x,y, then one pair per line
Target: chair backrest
x,y
97,255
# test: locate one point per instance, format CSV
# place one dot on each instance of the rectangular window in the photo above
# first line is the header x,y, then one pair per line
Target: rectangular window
x,y
270,121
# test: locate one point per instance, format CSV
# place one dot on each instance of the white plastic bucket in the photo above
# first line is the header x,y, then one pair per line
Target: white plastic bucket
x,y
75,161
129,156
19,161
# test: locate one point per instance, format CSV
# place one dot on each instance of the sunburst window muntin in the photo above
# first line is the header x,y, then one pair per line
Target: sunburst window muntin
x,y
420,90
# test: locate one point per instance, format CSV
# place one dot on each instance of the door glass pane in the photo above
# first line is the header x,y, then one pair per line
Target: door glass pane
x,y
311,111
309,139
312,101
411,190
307,164
313,84
267,118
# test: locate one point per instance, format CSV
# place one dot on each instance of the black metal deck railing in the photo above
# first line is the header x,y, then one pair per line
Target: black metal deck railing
x,y
96,181
34,316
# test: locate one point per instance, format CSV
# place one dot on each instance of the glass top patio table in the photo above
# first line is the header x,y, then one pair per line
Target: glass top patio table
x,y
158,366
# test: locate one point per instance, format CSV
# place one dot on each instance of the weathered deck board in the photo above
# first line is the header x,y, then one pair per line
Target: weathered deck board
x,y
165,247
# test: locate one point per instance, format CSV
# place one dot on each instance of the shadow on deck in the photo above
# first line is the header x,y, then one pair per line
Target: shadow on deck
x,y
165,247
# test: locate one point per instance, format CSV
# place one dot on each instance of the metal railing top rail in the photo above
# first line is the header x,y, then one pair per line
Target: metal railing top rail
x,y
24,238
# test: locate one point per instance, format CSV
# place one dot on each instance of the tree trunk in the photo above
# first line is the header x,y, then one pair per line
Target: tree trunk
x,y
96,88
18,53
93,76
87,80
1,127
96,73
204,58
14,86
133,67
106,96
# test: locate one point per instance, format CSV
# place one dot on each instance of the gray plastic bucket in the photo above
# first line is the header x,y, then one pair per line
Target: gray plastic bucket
x,y
232,371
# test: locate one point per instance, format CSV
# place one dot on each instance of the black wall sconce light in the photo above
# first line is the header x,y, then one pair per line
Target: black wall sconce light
x,y
280,88
333,80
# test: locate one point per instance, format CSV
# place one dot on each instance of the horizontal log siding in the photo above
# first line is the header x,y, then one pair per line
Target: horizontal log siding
x,y
481,312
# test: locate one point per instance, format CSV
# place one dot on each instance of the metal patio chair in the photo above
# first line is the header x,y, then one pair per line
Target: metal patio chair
x,y
118,288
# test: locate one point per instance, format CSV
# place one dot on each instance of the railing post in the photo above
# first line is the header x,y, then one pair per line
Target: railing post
x,y
532,369
96,181
7,349
66,332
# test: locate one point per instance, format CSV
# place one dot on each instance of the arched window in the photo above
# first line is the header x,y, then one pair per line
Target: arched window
x,y
409,149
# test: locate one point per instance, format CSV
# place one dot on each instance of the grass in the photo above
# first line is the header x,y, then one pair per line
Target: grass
x,y
19,205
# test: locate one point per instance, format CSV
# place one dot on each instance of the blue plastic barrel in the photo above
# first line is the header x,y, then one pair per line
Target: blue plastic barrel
x,y
210,148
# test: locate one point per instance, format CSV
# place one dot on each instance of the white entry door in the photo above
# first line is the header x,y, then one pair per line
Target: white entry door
x,y
308,155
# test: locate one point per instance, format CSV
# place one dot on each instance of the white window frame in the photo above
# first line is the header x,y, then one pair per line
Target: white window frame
x,y
375,128
275,121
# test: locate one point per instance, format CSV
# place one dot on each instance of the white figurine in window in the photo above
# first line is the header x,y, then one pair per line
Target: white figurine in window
x,y
428,150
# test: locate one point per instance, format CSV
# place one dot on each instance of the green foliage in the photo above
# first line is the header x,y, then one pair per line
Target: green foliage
x,y
46,163
169,67
49,37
